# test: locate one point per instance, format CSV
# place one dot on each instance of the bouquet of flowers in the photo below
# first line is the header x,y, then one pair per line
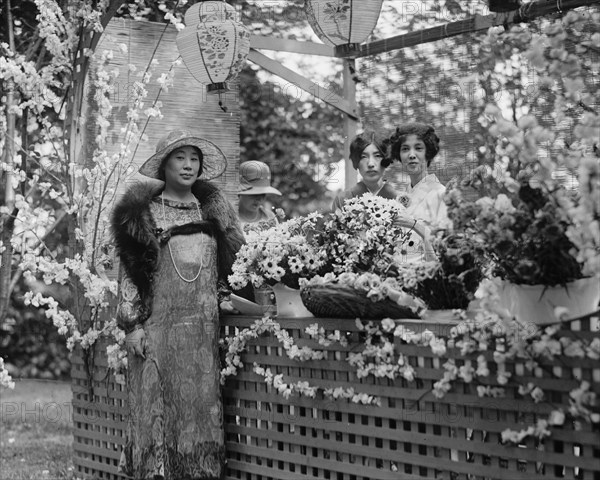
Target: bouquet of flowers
x,y
278,254
451,281
524,228
364,235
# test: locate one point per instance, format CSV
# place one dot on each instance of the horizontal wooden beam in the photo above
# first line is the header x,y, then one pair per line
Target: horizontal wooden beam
x,y
292,46
297,80
526,13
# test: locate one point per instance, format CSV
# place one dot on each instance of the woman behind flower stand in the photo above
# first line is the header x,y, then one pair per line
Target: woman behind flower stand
x,y
174,242
368,153
255,181
416,145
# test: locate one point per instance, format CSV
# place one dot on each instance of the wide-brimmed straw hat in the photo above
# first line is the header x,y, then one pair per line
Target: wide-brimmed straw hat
x,y
214,161
255,179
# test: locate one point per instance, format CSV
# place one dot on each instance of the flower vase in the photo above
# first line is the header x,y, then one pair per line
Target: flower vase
x,y
289,303
265,297
536,303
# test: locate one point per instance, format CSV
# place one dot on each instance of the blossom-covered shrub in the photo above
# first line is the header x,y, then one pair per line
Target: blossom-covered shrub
x,y
278,254
534,229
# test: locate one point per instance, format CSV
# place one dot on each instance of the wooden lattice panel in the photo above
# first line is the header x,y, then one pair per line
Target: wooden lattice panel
x,y
411,435
99,418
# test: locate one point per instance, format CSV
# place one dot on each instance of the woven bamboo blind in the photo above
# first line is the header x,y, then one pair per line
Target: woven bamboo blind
x,y
184,105
138,47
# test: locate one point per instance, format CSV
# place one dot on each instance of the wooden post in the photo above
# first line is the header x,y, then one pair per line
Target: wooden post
x,y
7,219
350,123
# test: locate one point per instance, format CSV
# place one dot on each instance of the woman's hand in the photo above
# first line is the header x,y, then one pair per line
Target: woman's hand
x,y
136,341
423,231
418,227
227,308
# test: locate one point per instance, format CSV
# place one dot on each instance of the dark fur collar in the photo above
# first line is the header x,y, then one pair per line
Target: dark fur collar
x,y
137,245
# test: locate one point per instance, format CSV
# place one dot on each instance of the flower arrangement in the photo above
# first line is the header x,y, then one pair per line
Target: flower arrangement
x,y
533,228
278,254
364,235
371,285
523,228
451,281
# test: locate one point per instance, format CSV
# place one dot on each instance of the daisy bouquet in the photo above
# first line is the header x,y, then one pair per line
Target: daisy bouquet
x,y
280,254
364,236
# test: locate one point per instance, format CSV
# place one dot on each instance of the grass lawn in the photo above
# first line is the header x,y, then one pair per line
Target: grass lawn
x,y
36,431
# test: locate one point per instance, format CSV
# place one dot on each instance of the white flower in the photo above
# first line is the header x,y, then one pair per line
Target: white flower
x,y
503,204
557,417
387,324
5,379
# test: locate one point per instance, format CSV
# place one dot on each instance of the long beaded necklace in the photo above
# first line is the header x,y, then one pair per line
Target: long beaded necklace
x,y
187,280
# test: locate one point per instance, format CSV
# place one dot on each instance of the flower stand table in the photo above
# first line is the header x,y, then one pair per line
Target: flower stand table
x,y
409,434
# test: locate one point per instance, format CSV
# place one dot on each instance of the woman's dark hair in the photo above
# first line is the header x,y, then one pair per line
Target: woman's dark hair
x,y
365,139
161,169
424,132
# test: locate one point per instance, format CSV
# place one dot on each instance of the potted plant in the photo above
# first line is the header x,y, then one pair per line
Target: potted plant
x,y
360,242
541,233
278,257
451,280
529,229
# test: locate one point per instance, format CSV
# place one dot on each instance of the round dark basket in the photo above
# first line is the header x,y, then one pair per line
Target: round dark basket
x,y
334,301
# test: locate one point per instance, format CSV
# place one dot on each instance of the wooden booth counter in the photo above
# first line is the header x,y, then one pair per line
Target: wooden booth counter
x,y
409,434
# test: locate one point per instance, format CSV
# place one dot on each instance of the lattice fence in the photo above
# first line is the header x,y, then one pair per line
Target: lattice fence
x,y
412,435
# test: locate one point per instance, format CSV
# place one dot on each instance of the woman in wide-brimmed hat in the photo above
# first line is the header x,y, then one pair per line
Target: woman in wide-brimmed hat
x,y
174,241
255,183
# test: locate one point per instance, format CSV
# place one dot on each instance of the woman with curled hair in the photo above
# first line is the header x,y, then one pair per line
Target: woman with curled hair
x,y
416,145
368,152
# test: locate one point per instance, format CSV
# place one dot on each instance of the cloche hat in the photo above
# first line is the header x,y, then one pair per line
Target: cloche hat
x,y
214,161
255,179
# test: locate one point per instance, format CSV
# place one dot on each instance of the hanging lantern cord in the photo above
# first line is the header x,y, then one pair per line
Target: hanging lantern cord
x,y
223,107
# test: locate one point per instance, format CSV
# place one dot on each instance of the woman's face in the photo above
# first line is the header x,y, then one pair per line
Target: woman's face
x,y
369,165
412,156
249,204
182,167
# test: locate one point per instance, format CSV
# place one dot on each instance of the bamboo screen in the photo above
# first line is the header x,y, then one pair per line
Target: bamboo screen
x,y
439,91
133,48
184,105
439,83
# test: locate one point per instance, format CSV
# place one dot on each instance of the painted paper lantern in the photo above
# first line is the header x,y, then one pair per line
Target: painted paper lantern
x,y
344,24
213,44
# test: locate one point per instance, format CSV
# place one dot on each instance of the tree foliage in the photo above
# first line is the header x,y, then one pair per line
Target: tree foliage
x,y
299,139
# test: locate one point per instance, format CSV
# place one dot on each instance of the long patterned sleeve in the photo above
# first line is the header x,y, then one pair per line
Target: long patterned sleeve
x,y
128,303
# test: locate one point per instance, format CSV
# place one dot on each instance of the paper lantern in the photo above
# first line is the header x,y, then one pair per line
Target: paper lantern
x,y
213,44
344,24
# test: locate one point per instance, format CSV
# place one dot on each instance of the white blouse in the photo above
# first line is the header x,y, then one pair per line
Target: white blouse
x,y
427,202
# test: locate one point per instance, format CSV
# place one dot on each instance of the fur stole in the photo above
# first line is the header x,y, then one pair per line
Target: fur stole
x,y
137,243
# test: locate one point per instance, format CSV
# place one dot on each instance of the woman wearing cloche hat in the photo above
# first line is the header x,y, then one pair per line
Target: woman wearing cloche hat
x,y
174,242
255,182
